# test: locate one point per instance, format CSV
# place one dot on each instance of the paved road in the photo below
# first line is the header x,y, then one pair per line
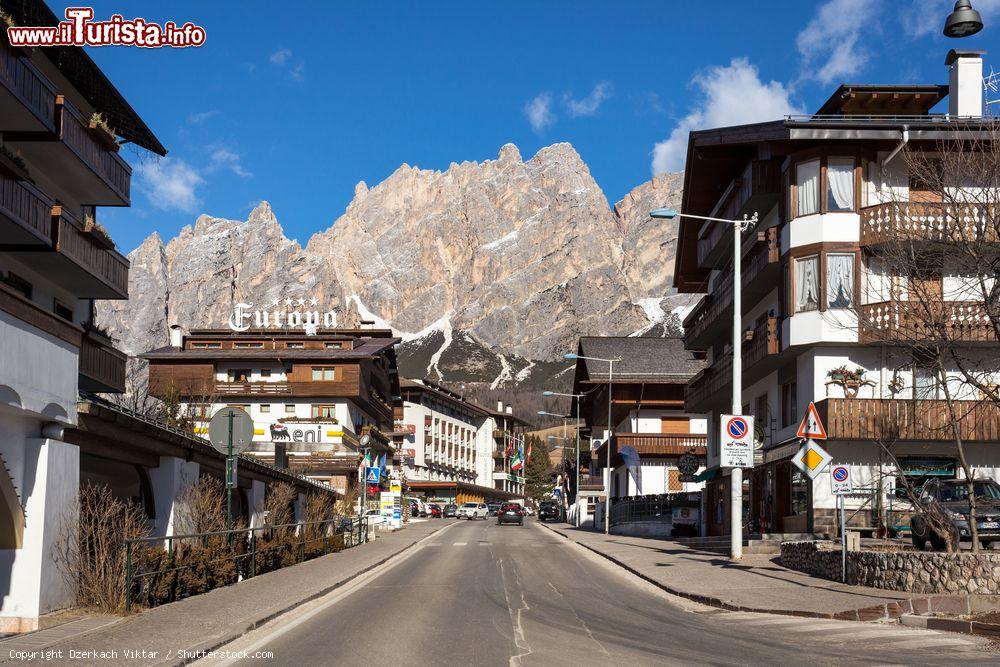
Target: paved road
x,y
481,594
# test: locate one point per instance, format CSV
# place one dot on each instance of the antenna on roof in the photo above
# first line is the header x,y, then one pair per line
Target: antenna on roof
x,y
991,86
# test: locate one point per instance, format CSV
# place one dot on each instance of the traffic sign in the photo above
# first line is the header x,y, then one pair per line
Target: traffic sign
x,y
840,481
811,426
812,459
372,475
218,430
736,440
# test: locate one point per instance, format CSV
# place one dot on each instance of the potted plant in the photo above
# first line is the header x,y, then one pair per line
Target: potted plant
x,y
98,234
851,380
103,132
13,164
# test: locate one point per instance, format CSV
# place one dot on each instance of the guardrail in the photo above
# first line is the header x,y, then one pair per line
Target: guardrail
x,y
198,562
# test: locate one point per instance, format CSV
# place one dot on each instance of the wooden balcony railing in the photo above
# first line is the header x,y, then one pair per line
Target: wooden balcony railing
x,y
30,86
253,388
591,482
757,184
761,266
92,254
104,162
25,207
908,419
928,221
378,439
764,342
705,317
707,390
102,367
901,321
661,443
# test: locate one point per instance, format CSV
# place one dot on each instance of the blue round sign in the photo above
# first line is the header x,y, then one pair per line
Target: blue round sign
x,y
840,473
737,427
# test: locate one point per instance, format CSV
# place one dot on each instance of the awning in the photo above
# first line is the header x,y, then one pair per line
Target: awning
x,y
706,475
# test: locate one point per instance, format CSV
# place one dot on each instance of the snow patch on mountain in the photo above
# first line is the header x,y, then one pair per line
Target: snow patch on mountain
x,y
436,357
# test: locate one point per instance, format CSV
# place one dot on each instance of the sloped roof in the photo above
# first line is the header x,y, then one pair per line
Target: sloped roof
x,y
366,348
642,359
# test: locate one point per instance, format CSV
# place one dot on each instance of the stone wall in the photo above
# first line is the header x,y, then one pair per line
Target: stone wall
x,y
911,571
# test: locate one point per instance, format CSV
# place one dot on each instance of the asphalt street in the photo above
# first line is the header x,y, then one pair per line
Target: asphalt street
x,y
481,594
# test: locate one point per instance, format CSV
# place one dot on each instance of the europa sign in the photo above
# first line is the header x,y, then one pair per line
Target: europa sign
x,y
246,317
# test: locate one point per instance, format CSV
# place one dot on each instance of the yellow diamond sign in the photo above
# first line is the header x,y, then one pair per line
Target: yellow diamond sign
x,y
812,459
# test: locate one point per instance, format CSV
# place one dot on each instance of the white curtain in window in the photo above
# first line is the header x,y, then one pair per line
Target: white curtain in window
x,y
925,383
839,280
806,284
807,187
840,192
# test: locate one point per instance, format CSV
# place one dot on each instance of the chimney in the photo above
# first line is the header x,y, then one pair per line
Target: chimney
x,y
965,83
510,410
499,406
176,336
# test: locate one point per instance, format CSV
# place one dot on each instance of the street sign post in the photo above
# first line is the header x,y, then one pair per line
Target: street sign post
x,y
812,459
841,485
736,441
230,432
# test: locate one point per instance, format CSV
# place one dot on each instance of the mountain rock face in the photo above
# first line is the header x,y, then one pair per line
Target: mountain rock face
x,y
507,260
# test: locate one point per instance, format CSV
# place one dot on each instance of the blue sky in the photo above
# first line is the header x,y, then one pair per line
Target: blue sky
x,y
296,103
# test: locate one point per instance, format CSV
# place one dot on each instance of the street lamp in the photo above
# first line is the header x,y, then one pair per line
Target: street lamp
x,y
611,372
963,20
736,480
576,489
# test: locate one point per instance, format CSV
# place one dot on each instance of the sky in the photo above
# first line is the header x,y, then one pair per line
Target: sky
x,y
298,106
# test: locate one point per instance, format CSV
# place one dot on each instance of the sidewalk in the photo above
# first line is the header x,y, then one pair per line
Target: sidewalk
x,y
208,621
757,583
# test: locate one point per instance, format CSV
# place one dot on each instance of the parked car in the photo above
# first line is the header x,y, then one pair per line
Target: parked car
x,y
510,513
493,508
414,508
434,510
529,511
450,510
374,518
548,510
952,495
473,511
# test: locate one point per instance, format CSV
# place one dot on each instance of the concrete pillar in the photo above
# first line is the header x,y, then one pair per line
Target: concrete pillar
x,y
300,507
255,498
169,481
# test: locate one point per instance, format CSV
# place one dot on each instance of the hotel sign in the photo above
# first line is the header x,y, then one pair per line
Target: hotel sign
x,y
288,314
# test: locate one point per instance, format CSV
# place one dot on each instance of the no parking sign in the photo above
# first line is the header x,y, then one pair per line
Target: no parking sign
x,y
840,480
736,439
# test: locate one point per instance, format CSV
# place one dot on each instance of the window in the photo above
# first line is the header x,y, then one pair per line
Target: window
x,y
19,284
239,374
807,188
289,409
807,284
265,372
294,346
925,383
335,346
206,346
62,310
324,411
840,184
265,408
248,346
839,280
325,374
200,411
789,404
241,406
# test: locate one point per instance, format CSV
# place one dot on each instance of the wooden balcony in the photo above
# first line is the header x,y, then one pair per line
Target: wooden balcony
x,y
908,419
14,303
710,316
102,367
710,389
27,98
931,222
761,349
761,267
253,388
87,167
25,213
904,321
666,444
754,190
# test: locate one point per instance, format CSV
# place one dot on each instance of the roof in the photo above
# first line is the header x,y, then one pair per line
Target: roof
x,y
646,360
365,348
868,99
84,75
441,392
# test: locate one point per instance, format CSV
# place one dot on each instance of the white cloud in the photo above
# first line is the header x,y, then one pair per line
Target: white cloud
x,y
280,57
223,158
298,73
170,184
829,43
539,112
731,95
926,17
589,105
201,116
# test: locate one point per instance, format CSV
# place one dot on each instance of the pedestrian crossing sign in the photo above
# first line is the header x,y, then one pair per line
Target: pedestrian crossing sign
x,y
372,475
812,459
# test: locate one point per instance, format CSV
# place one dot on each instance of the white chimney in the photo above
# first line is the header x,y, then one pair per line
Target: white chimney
x,y
499,406
176,336
965,83
510,410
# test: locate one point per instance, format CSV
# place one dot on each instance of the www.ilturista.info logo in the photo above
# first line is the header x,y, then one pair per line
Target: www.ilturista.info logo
x,y
79,29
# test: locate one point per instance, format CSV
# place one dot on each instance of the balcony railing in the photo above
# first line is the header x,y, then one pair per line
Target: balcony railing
x,y
102,367
707,390
253,388
908,419
704,320
902,321
928,221
756,187
661,443
106,163
763,343
32,90
28,213
93,254
761,267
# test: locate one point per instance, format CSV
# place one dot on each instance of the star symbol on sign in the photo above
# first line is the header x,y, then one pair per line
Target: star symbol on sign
x,y
313,301
301,301
288,302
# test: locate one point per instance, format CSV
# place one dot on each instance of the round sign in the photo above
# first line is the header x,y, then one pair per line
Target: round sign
x,y
242,433
840,473
365,440
687,464
737,427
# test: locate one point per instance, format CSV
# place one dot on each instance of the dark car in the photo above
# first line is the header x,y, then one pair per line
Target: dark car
x,y
492,508
548,510
510,513
952,496
450,510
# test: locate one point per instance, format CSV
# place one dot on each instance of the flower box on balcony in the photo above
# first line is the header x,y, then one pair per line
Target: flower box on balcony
x,y
13,165
98,235
104,135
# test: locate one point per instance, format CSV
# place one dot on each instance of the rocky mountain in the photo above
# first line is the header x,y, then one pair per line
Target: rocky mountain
x,y
489,271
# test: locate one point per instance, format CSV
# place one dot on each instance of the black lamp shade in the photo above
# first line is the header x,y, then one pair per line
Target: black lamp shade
x,y
963,21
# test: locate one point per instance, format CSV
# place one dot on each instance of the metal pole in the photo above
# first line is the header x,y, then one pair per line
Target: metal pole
x,y
576,492
736,479
607,504
843,540
229,474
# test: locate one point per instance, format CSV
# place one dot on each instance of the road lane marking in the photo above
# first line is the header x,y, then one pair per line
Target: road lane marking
x,y
459,544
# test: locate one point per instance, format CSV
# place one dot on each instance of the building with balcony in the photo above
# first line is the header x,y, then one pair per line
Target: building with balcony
x,y
646,412
831,189
312,397
58,166
449,445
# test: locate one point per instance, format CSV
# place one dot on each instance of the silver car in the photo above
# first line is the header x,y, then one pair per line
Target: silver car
x,y
472,511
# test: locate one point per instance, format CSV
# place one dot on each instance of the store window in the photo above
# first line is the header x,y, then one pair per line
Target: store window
x,y
915,471
807,188
839,280
807,284
840,184
799,493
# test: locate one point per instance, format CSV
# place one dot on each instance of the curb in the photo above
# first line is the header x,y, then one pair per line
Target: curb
x,y
256,623
892,611
990,630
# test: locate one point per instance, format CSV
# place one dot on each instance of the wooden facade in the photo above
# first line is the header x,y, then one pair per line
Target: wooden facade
x,y
908,419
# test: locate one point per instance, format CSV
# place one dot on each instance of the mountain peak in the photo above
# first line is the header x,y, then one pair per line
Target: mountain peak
x,y
262,214
509,153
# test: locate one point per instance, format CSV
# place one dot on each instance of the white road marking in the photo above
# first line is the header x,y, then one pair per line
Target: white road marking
x,y
459,544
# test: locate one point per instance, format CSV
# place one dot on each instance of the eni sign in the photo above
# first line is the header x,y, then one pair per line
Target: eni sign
x,y
297,314
305,433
